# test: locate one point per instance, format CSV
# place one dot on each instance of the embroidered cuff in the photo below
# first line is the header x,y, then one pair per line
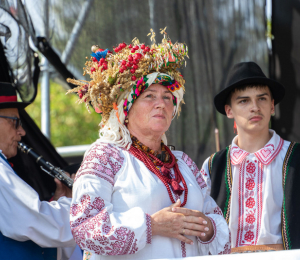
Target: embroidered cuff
x,y
214,235
149,229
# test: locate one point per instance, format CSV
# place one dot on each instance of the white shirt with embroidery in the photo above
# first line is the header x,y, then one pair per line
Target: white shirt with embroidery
x,y
24,217
257,193
114,195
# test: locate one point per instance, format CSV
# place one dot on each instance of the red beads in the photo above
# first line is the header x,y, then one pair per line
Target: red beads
x,y
143,46
92,69
132,71
130,58
135,67
133,78
95,59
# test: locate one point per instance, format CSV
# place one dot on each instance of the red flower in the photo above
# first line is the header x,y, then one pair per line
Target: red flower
x,y
251,167
249,236
250,184
250,203
250,219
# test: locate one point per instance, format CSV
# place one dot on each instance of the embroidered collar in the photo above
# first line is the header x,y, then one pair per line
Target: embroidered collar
x,y
265,155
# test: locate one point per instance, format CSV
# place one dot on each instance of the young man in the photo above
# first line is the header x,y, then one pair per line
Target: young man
x,y
29,228
255,180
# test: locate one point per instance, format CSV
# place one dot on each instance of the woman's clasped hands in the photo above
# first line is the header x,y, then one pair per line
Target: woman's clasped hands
x,y
177,222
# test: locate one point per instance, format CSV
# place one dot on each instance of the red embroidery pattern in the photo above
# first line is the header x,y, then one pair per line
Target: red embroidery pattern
x,y
203,172
218,211
237,155
93,232
103,160
183,249
250,202
267,154
227,247
149,229
189,162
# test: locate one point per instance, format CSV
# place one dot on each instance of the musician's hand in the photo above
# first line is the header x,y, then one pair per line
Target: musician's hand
x,y
61,189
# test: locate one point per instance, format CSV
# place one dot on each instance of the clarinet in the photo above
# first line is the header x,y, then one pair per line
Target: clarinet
x,y
47,167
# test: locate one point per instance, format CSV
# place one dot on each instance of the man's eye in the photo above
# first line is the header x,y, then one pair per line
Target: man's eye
x,y
243,101
262,98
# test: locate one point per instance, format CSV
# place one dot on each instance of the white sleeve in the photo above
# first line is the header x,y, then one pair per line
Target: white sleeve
x,y
220,243
95,225
24,217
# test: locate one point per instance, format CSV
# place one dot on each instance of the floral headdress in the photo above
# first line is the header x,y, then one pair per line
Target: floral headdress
x,y
118,78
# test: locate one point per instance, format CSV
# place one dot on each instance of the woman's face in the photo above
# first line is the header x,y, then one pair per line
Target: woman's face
x,y
151,113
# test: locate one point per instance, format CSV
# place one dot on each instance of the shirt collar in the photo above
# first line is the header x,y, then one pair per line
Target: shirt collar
x,y
3,154
265,155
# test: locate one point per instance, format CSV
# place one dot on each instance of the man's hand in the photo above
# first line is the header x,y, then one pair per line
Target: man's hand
x,y
61,189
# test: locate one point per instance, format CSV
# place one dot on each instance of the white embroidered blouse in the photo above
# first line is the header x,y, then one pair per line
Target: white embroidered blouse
x,y
257,193
113,197
24,217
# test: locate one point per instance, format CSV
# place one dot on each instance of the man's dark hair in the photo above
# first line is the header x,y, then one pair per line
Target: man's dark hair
x,y
242,88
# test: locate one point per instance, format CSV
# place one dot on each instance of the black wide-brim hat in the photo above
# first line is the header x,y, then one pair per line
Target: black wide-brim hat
x,y
243,74
8,97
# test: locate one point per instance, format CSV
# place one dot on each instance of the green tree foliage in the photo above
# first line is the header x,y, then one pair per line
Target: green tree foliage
x,y
71,123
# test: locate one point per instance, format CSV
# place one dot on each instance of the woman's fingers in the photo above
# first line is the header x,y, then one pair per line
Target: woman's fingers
x,y
196,227
195,222
188,212
185,239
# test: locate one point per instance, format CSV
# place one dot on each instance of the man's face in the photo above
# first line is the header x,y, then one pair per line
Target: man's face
x,y
251,109
9,135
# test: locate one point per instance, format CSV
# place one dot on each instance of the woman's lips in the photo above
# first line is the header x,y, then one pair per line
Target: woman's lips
x,y
159,116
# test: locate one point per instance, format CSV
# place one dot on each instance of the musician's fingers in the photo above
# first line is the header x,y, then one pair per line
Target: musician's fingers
x,y
68,174
58,182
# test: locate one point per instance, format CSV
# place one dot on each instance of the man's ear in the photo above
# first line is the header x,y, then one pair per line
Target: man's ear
x,y
228,111
272,107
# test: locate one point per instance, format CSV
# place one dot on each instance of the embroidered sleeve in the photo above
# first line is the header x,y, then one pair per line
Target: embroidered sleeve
x,y
202,176
221,238
220,243
95,226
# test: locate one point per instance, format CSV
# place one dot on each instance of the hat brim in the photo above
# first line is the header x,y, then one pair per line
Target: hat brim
x,y
278,91
19,105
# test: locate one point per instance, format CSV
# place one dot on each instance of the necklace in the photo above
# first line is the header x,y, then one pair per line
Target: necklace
x,y
149,158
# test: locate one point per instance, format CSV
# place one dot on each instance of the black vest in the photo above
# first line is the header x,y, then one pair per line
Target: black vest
x,y
221,186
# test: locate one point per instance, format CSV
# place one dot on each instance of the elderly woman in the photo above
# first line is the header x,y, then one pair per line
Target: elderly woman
x,y
133,198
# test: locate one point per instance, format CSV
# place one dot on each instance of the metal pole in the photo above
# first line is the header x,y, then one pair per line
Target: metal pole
x,y
151,13
86,7
45,88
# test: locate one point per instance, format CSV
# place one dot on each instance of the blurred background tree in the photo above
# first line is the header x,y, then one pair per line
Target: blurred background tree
x,y
71,123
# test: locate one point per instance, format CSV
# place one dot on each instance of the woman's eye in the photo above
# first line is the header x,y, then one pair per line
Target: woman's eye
x,y
149,95
167,97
